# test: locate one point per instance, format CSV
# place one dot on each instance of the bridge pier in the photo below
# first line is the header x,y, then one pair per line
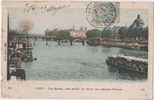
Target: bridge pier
x,y
71,42
46,43
58,42
83,42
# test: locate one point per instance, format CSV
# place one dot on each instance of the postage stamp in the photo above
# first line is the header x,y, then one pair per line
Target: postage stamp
x,y
102,14
70,49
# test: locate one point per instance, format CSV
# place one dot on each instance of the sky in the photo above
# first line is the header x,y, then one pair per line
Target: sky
x,y
74,14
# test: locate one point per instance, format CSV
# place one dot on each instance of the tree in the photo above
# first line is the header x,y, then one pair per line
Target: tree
x,y
93,33
123,32
106,33
63,35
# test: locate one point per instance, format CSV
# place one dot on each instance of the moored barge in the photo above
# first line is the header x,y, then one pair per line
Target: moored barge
x,y
129,63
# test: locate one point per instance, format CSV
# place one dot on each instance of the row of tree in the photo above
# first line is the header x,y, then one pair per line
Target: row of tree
x,y
133,33
122,33
58,34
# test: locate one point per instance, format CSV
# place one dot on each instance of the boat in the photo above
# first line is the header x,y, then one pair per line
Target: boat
x,y
128,63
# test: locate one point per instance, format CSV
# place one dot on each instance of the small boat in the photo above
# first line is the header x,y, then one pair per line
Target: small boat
x,y
129,63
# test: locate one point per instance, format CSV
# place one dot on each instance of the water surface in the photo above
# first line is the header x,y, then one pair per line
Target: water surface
x,y
75,62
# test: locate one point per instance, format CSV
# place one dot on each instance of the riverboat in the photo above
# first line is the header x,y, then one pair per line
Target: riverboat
x,y
128,63
19,50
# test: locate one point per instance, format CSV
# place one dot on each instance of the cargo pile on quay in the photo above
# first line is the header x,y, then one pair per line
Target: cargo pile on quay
x,y
19,51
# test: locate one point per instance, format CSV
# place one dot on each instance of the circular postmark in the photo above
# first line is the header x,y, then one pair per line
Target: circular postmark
x,y
101,14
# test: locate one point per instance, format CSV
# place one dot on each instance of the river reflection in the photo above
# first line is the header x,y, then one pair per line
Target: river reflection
x,y
75,62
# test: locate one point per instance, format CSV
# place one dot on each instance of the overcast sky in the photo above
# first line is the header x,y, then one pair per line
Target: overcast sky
x,y
65,18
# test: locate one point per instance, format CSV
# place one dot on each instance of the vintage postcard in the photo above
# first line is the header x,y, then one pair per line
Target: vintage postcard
x,y
77,49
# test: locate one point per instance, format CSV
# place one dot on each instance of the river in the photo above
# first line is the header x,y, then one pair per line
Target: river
x,y
75,62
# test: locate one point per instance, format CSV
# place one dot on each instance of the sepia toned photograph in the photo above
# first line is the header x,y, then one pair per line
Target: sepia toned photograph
x,y
96,41
70,49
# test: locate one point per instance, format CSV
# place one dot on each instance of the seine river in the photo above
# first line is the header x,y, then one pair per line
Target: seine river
x,y
75,62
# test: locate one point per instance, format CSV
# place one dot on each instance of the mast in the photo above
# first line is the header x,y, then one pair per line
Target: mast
x,y
8,30
8,21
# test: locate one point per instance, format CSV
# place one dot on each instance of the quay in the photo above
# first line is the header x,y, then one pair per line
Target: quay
x,y
142,45
19,51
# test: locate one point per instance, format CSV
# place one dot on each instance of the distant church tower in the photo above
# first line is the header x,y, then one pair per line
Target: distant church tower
x,y
138,22
137,25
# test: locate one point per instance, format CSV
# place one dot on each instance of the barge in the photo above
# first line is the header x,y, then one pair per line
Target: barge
x,y
128,63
